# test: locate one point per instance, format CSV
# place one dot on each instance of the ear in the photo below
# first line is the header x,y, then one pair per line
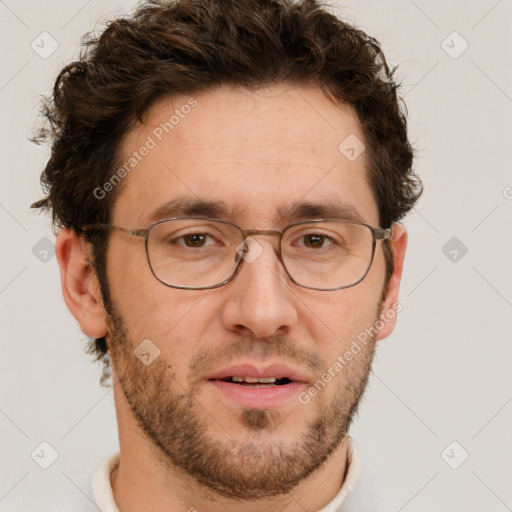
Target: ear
x,y
390,306
80,286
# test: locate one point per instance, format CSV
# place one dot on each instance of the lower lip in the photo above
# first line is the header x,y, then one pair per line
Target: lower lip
x,y
259,398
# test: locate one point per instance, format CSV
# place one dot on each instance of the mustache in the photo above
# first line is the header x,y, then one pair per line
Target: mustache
x,y
279,347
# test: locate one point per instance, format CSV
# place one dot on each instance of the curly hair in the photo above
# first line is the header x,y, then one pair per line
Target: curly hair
x,y
187,46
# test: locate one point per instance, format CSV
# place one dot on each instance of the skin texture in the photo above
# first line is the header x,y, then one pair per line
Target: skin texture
x,y
183,443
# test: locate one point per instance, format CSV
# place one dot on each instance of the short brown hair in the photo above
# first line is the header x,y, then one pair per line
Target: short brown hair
x,y
187,46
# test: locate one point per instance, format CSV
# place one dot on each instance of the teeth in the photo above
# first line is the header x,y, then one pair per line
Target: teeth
x,y
252,380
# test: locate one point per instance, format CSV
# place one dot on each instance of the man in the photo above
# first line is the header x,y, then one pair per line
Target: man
x,y
226,179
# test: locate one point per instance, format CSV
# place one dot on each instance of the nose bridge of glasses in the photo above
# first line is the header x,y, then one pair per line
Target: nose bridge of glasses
x,y
250,249
267,232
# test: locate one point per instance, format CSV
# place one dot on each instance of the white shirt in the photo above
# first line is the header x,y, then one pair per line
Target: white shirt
x,y
364,502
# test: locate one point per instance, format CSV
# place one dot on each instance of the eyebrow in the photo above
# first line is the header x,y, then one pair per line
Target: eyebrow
x,y
183,206
302,210
329,210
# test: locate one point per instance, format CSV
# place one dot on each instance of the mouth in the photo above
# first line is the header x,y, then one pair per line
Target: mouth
x,y
252,382
258,387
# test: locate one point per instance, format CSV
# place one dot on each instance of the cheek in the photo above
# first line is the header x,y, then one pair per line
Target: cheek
x,y
162,312
345,318
174,320
181,324
337,318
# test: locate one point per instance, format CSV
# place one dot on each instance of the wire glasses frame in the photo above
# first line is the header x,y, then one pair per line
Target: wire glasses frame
x,y
377,234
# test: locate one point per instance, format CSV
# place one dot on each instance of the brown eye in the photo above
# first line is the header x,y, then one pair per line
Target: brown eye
x,y
195,240
314,241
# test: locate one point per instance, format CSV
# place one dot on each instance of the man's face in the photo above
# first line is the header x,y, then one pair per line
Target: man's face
x,y
257,154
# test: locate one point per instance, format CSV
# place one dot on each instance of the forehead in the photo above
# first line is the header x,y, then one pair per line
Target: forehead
x,y
256,154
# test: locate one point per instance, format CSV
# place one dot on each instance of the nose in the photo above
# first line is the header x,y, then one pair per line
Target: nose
x,y
259,299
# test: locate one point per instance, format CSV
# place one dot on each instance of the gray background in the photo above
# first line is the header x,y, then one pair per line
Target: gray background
x,y
443,376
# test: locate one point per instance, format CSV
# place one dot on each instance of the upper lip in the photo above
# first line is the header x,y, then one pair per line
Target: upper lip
x,y
277,370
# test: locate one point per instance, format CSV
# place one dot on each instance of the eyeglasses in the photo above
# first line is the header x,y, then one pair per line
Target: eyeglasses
x,y
197,253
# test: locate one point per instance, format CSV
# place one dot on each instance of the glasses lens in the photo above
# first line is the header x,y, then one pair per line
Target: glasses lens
x,y
193,253
327,255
